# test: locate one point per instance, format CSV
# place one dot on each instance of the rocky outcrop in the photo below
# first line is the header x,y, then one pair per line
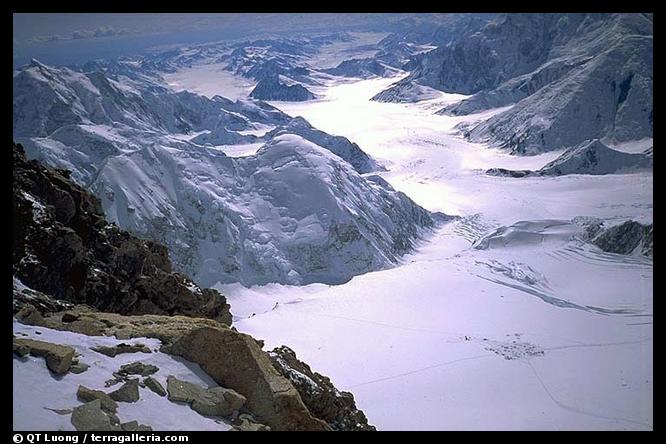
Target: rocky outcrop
x,y
361,68
629,237
235,360
589,157
271,88
319,394
64,247
154,385
90,417
215,401
120,348
58,357
128,392
85,394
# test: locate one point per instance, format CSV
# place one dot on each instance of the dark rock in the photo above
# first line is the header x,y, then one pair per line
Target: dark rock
x,y
69,317
154,385
626,238
64,247
121,348
138,368
215,401
235,360
319,394
90,417
85,394
271,88
129,392
78,368
21,350
134,426
58,357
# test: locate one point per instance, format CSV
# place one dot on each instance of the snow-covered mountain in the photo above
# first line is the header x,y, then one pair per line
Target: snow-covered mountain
x,y
569,77
270,87
296,212
338,145
362,68
590,157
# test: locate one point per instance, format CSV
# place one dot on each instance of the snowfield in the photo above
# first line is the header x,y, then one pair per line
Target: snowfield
x,y
503,319
37,392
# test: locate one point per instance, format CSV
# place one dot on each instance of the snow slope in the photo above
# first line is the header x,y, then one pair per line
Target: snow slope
x,y
549,333
295,211
36,390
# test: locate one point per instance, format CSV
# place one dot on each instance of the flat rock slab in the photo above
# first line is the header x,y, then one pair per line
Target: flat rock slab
x,y
58,357
235,360
128,392
90,417
86,395
134,426
216,401
138,368
154,385
121,348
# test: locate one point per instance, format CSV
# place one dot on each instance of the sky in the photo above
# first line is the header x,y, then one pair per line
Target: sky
x,y
57,38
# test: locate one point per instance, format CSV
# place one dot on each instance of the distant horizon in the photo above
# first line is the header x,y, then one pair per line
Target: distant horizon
x,y
64,39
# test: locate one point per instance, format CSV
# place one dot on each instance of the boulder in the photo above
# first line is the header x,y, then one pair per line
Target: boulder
x,y
58,357
79,367
121,348
138,368
235,360
134,426
85,394
247,423
216,401
154,385
128,392
90,417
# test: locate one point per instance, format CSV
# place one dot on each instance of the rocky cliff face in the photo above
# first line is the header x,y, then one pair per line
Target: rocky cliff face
x,y
569,77
64,247
629,237
257,390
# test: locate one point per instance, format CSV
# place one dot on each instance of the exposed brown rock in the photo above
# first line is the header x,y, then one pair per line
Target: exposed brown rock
x,y
121,348
85,394
235,360
64,247
154,385
90,417
128,392
319,394
58,357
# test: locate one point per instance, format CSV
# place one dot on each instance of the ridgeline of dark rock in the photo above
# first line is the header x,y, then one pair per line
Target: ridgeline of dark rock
x,y
629,237
590,157
64,247
320,396
361,68
270,88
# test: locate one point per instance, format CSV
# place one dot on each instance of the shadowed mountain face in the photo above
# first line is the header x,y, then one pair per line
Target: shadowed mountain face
x,y
569,77
64,247
296,212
